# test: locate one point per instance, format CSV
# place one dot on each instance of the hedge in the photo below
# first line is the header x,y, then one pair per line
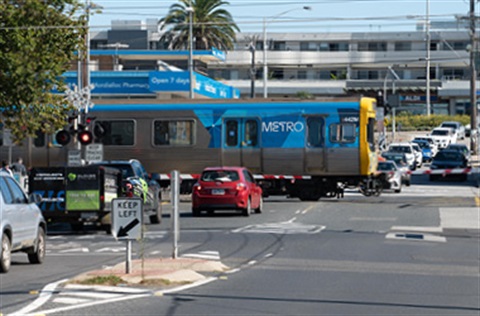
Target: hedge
x,y
409,122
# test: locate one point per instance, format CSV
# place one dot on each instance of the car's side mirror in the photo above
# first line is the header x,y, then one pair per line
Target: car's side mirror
x,y
35,198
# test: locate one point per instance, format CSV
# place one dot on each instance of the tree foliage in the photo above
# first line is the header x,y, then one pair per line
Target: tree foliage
x,y
38,40
212,25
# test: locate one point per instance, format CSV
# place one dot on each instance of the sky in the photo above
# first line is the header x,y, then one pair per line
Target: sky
x,y
324,15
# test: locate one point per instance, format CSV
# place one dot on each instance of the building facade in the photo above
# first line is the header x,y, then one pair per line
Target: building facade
x,y
321,64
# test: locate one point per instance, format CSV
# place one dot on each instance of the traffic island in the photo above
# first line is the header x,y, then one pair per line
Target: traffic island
x,y
162,272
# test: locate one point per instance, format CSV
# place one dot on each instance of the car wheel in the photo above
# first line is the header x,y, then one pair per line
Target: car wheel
x,y
5,254
259,209
38,252
157,217
195,212
399,189
248,209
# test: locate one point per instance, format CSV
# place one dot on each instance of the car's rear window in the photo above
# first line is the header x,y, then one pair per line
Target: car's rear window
x,y
220,175
386,167
450,156
440,133
401,149
126,169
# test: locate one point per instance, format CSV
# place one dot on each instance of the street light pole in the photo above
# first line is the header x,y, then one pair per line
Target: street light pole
x,y
190,48
265,67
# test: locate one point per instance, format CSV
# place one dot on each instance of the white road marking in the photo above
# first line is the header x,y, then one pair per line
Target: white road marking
x,y
44,296
112,249
280,228
70,300
209,255
82,249
373,219
416,237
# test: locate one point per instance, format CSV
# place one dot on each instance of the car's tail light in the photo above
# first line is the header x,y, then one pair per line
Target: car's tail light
x,y
129,194
197,187
390,174
241,187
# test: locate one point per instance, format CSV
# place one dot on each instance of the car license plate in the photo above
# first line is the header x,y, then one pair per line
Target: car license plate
x,y
218,192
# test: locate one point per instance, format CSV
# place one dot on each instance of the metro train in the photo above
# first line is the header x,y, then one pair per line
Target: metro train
x,y
302,148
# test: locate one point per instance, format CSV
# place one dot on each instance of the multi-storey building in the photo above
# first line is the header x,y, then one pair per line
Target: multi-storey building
x,y
324,64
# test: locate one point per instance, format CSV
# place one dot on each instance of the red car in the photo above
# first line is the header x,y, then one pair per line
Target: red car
x,y
226,188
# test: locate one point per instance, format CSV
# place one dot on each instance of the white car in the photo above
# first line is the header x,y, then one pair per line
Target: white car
x,y
408,150
442,137
457,127
393,176
22,226
418,154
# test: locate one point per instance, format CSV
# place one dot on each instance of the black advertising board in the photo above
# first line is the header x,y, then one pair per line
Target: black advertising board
x,y
49,184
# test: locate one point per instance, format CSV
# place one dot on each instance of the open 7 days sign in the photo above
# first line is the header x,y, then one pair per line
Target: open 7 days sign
x,y
127,218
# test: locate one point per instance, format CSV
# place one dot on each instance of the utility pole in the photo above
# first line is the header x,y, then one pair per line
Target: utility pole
x,y
253,70
473,82
427,76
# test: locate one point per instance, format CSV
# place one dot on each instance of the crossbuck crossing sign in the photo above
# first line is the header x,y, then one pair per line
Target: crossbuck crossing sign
x,y
127,218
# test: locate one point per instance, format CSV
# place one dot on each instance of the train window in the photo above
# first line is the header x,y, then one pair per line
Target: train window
x,y
232,133
315,136
342,133
251,133
371,134
117,132
175,132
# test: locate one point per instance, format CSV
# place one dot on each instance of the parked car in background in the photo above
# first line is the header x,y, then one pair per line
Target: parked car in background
x,y
443,137
461,148
407,149
401,161
418,155
448,159
426,149
226,188
457,127
22,226
393,176
431,142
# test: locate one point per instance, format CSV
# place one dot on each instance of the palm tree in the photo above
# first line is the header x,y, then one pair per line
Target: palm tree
x,y
212,25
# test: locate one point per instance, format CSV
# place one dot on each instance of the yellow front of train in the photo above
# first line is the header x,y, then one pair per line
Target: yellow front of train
x,y
367,140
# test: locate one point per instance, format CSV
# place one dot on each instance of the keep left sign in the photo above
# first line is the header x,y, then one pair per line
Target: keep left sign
x,y
127,218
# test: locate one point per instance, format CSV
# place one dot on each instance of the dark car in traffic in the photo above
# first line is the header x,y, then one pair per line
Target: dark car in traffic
x,y
461,148
226,188
446,160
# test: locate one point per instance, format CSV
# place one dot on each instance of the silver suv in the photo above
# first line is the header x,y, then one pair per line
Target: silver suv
x,y
22,226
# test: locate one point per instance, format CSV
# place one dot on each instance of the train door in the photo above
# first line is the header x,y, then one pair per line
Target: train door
x,y
241,143
315,145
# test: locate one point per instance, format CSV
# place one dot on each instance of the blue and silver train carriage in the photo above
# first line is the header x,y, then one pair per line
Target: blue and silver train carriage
x,y
303,148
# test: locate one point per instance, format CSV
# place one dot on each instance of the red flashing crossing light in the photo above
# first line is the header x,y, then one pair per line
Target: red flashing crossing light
x,y
85,137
